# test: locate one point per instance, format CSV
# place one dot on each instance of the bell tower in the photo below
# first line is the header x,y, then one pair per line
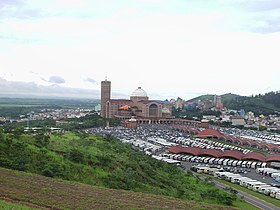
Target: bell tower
x,y
105,97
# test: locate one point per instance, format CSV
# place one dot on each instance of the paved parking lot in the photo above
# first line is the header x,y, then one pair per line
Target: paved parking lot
x,y
154,139
251,173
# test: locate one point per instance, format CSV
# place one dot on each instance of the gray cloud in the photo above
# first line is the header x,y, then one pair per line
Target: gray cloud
x,y
91,80
260,5
4,3
27,89
268,24
56,80
260,16
18,9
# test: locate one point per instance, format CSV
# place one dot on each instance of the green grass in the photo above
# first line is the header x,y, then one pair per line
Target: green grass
x,y
251,192
238,203
45,192
241,204
105,162
5,205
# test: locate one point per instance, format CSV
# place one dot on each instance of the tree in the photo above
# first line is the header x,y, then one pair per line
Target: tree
x,y
42,140
2,137
52,170
76,155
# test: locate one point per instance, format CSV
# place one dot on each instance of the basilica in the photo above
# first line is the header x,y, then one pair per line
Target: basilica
x,y
139,105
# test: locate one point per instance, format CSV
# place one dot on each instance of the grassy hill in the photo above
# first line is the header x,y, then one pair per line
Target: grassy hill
x,y
259,104
229,97
42,192
105,162
225,97
202,98
266,104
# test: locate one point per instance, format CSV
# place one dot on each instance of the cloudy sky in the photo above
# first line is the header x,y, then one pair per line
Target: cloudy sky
x,y
170,48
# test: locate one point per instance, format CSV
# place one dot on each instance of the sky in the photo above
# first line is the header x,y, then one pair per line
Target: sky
x,y
170,48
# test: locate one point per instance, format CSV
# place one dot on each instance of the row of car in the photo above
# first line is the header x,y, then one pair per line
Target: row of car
x,y
271,172
247,182
206,144
251,184
251,134
217,161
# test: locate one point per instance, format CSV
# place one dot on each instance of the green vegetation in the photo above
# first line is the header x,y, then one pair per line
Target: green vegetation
x,y
251,192
229,97
102,161
5,205
225,97
202,98
241,204
194,114
47,123
88,121
13,107
260,104
264,104
49,193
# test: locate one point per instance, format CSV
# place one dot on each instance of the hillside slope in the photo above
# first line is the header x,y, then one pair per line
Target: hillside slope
x,y
202,98
105,162
260,104
225,97
49,193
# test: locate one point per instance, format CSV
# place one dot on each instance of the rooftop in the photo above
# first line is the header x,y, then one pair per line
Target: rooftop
x,y
139,92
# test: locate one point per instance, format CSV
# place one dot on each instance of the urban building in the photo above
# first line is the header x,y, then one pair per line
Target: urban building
x,y
237,120
138,106
218,102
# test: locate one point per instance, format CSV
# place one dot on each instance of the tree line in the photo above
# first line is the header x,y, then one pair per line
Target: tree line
x,y
260,104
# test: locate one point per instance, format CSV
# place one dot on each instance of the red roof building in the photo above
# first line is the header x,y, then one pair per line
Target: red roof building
x,y
211,133
235,154
256,156
216,153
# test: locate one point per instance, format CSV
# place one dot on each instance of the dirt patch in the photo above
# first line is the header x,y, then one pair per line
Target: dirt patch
x,y
47,193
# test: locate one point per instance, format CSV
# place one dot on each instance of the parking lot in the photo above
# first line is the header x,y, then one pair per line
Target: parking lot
x,y
252,134
155,139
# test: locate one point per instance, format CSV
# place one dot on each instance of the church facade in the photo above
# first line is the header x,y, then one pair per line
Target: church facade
x,y
139,105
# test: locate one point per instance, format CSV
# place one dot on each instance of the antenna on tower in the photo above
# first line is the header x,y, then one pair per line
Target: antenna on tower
x,y
105,78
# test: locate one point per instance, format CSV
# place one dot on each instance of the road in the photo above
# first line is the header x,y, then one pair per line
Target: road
x,y
251,173
250,199
259,203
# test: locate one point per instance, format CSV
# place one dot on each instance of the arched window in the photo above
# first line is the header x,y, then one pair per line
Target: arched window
x,y
153,110
107,114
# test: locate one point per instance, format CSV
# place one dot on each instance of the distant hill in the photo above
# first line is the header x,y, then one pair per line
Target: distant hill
x,y
202,98
228,97
44,193
265,104
225,97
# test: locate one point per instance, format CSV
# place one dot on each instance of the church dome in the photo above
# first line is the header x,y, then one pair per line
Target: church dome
x,y
139,92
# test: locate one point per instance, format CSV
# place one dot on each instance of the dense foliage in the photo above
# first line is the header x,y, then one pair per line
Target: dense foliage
x,y
260,104
225,97
194,114
102,161
88,121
